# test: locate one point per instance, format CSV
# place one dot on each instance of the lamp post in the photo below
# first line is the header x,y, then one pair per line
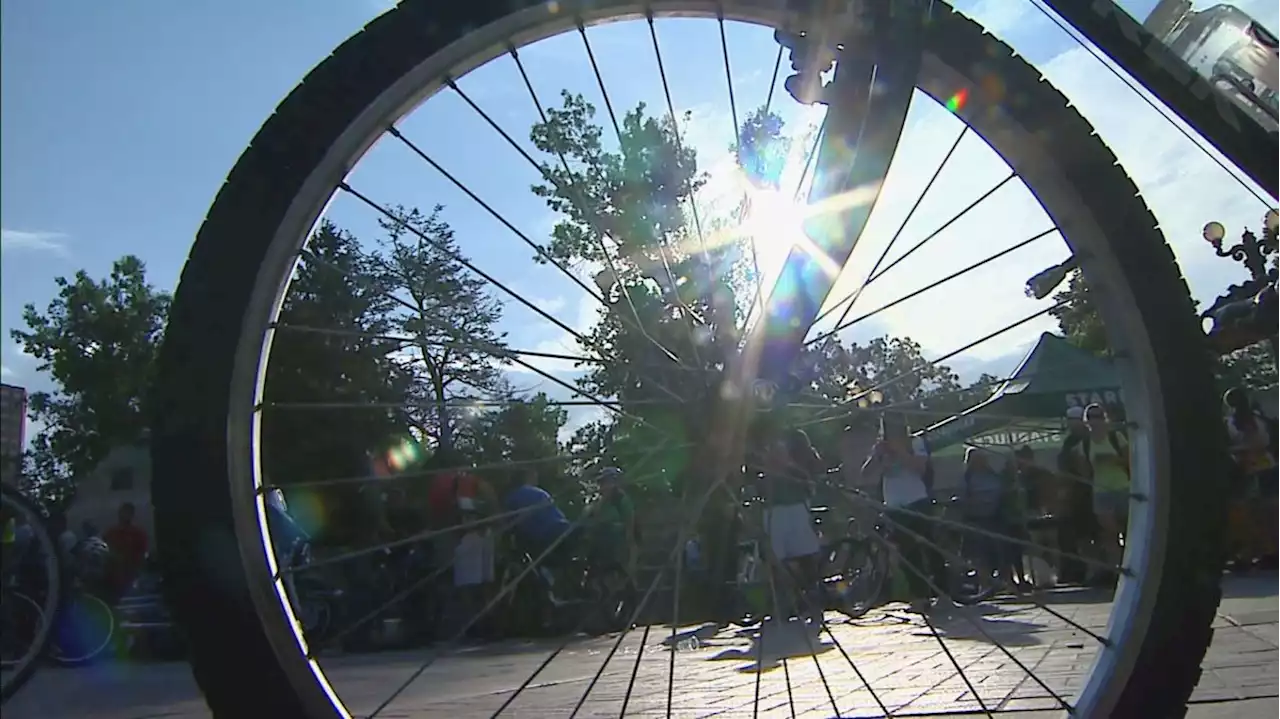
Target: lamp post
x,y
1246,313
1250,251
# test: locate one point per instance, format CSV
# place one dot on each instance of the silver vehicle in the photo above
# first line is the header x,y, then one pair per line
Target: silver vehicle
x,y
1235,53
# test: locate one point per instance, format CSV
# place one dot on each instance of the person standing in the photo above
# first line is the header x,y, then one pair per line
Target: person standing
x,y
128,544
901,466
1076,520
788,485
1252,449
1107,450
984,490
1046,496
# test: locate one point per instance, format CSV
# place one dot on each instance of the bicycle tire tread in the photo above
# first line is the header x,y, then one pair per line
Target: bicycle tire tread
x,y
232,660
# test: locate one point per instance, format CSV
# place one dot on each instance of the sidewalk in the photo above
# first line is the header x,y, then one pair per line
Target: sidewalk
x,y
716,674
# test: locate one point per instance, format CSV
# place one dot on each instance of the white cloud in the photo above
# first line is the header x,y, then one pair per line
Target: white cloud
x,y
33,241
580,417
13,360
586,312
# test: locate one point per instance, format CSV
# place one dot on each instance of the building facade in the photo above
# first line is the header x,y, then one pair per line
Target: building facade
x,y
13,431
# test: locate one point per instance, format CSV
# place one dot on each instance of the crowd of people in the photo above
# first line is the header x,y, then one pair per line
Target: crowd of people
x,y
1074,506
108,562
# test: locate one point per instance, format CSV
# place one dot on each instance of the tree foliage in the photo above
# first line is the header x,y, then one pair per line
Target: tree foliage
x,y
445,312
332,348
1252,367
97,340
1078,318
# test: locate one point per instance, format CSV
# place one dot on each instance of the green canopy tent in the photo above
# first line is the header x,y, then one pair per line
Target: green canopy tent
x,y
1054,376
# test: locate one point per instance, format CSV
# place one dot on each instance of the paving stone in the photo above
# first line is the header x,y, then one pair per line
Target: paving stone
x,y
898,654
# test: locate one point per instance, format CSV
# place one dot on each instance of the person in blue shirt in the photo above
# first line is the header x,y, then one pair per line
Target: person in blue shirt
x,y
541,522
287,536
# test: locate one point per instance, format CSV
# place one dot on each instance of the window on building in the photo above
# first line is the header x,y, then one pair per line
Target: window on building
x,y
121,479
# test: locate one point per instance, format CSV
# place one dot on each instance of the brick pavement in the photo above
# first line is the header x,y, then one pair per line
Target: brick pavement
x,y
715,676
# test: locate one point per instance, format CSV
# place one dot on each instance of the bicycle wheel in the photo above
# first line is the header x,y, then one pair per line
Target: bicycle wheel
x,y
32,590
971,580
863,568
248,655
86,626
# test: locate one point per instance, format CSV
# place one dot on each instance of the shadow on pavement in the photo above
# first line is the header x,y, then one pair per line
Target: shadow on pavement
x,y
773,643
1061,595
983,623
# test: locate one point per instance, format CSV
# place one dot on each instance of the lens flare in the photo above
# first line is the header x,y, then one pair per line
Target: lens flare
x,y
956,102
398,458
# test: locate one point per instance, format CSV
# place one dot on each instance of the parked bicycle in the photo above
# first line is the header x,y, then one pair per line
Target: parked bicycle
x,y
565,592
852,573
31,591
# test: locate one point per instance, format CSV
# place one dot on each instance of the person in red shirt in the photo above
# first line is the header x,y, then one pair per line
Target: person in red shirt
x,y
128,543
455,492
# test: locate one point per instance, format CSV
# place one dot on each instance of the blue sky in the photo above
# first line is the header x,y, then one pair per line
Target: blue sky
x,y
122,119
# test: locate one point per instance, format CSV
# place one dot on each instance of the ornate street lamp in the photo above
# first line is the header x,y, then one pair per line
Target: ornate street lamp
x,y
1250,251
1246,313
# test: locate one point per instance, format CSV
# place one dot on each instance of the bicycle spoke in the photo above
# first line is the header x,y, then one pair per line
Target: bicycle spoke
x,y
994,535
925,365
396,598
952,658
597,223
405,541
950,555
782,621
537,248
465,263
417,474
673,555
841,325
955,218
737,130
852,297
498,351
675,130
635,670
924,576
763,541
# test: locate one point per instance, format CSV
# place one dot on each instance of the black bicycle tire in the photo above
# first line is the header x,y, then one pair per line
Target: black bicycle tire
x,y
232,658
32,510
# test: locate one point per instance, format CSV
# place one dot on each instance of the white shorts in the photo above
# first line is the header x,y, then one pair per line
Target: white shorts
x,y
790,530
473,560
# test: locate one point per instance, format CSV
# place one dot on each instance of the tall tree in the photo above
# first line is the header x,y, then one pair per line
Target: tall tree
x,y
1078,318
331,349
627,215
447,314
98,341
525,432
